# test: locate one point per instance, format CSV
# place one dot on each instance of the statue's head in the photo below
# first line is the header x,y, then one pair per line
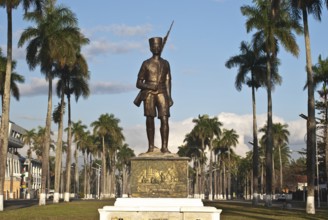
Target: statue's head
x,y
156,44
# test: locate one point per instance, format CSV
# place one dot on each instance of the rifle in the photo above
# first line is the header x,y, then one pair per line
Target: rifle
x,y
167,35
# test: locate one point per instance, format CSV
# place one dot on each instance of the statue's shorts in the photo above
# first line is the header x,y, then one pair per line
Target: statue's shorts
x,y
157,102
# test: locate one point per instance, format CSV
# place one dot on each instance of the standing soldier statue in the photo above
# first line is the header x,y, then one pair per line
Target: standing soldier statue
x,y
154,82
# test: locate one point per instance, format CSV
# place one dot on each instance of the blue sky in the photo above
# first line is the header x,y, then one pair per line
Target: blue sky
x,y
205,34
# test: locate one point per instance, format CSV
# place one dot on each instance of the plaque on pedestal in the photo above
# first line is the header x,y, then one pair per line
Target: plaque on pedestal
x,y
158,176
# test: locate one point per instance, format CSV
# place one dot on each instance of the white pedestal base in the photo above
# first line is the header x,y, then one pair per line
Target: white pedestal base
x,y
159,208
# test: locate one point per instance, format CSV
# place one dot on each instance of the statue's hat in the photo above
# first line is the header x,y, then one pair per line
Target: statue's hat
x,y
154,40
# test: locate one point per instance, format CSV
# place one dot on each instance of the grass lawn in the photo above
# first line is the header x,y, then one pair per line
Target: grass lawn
x,y
89,210
232,210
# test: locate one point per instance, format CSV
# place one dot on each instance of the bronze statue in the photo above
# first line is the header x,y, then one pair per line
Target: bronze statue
x,y
154,81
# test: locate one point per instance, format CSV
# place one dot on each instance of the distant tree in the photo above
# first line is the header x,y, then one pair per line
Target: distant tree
x,y
107,126
28,139
124,164
229,139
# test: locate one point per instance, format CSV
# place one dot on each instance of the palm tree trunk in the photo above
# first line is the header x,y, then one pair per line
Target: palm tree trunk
x,y
68,153
5,109
255,151
215,192
210,197
224,194
229,175
326,140
76,172
85,178
45,152
311,125
269,142
103,169
58,161
11,188
29,174
280,166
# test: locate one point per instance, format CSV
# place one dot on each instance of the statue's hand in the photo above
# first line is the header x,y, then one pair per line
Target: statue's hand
x,y
170,102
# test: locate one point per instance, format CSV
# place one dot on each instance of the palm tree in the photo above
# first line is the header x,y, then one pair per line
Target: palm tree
x,y
309,7
272,28
253,62
123,156
52,42
106,126
320,75
229,139
77,71
58,118
28,139
15,77
73,81
9,5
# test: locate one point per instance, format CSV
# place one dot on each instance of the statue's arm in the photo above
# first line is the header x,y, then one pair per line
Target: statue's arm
x,y
169,85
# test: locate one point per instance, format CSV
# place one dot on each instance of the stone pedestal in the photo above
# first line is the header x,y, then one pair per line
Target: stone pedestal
x,y
159,208
159,190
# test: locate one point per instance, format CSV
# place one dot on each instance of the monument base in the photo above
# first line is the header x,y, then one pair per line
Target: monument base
x,y
159,208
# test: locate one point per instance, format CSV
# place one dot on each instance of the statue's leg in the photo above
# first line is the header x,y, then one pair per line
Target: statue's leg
x,y
165,134
150,126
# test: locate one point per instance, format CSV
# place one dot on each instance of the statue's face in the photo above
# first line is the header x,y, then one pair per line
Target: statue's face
x,y
156,48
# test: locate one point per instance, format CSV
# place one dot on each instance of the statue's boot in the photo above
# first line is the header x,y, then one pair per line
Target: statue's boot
x,y
150,149
165,150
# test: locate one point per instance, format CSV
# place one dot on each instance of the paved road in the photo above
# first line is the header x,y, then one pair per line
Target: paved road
x,y
22,203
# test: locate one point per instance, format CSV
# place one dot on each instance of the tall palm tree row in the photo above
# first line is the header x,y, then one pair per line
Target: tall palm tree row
x,y
229,139
51,42
273,26
205,129
78,132
302,9
207,134
107,128
9,5
124,166
280,135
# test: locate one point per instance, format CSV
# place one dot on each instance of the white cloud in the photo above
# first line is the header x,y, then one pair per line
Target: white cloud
x,y
124,30
101,47
120,30
39,86
110,88
137,139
